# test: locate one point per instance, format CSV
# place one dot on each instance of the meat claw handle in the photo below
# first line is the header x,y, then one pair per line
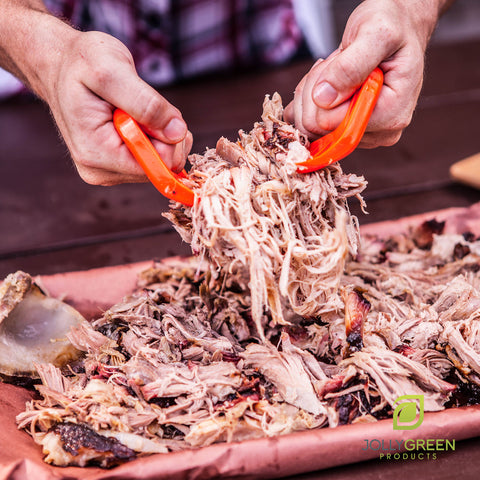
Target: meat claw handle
x,y
168,183
344,139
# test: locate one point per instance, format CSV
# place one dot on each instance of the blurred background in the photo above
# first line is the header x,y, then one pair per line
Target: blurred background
x,y
50,221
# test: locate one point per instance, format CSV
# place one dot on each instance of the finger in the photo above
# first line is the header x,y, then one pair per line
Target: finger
x,y
295,111
113,154
288,113
102,177
314,120
308,118
348,69
104,151
174,156
380,139
397,100
328,120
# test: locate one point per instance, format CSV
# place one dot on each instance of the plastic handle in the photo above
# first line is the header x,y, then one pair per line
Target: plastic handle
x,y
346,137
165,181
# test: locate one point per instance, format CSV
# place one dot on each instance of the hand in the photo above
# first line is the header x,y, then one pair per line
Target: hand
x,y
387,33
91,77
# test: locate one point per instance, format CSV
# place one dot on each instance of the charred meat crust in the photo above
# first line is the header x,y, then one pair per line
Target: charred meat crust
x,y
76,438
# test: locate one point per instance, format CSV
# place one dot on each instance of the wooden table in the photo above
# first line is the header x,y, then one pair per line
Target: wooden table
x,y
50,221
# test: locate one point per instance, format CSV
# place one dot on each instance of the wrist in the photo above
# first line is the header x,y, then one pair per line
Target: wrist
x,y
424,15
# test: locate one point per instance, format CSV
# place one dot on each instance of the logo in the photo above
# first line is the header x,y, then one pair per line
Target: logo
x,y
408,412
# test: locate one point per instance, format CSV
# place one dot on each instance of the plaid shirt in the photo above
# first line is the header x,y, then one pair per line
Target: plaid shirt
x,y
174,39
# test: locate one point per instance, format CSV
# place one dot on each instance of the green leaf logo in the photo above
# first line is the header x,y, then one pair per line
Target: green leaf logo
x,y
408,412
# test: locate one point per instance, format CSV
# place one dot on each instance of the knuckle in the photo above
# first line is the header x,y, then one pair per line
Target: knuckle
x,y
299,126
386,140
155,107
349,70
325,124
177,165
288,113
178,158
298,92
92,52
385,30
93,36
87,169
100,40
101,76
88,176
328,120
309,124
188,142
390,139
401,122
380,139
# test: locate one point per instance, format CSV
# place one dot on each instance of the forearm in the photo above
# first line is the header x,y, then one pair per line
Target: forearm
x,y
30,42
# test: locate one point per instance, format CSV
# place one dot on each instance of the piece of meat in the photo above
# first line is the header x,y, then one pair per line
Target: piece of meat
x,y
465,339
81,446
287,373
251,419
216,380
356,309
423,234
396,375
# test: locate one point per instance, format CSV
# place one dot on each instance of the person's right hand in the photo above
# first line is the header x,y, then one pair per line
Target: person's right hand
x,y
385,33
91,74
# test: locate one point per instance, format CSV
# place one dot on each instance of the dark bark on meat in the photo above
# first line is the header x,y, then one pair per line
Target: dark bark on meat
x,y
75,438
423,235
460,251
356,310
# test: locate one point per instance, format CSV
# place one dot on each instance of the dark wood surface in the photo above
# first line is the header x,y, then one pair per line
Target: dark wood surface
x,y
50,221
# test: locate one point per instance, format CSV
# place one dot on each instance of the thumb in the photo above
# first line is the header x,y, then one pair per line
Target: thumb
x,y
344,71
159,118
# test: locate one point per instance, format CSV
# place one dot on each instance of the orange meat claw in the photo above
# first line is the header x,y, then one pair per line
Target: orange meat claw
x,y
165,181
345,138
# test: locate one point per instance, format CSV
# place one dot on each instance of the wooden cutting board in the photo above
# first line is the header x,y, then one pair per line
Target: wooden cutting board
x,y
467,171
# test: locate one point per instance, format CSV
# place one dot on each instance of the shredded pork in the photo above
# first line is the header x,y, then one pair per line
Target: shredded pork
x,y
255,216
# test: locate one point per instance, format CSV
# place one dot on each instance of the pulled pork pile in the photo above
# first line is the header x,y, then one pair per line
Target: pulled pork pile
x,y
290,233
206,350
180,364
